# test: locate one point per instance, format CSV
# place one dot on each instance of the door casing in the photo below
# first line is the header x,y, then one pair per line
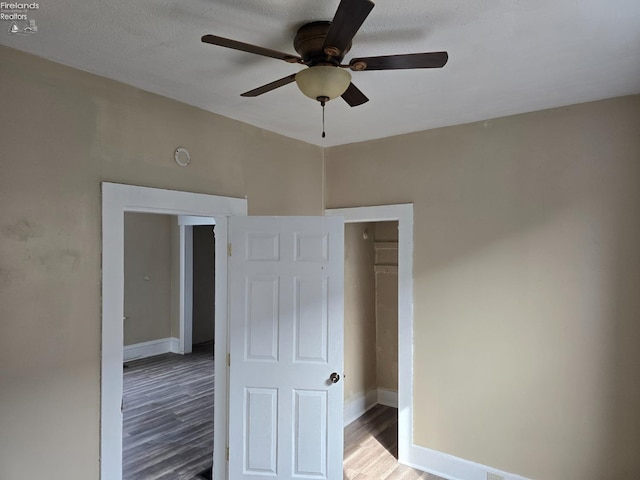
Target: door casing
x,y
116,200
403,214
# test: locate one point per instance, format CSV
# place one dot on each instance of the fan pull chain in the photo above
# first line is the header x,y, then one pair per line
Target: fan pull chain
x,y
323,132
323,100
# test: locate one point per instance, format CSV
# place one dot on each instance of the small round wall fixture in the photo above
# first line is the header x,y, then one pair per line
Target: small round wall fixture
x,y
182,156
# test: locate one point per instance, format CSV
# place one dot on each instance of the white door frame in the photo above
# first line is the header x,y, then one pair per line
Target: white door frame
x,y
185,225
403,214
116,200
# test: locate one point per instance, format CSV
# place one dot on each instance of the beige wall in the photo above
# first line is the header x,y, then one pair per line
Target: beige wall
x,y
527,276
65,131
203,284
386,299
147,277
359,312
386,232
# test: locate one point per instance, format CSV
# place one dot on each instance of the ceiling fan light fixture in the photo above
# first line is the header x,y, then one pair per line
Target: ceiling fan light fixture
x,y
323,82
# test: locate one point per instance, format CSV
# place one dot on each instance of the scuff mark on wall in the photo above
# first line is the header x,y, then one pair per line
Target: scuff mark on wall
x,y
60,260
22,230
8,276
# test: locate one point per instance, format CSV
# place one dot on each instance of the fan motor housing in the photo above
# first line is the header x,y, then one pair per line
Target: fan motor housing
x,y
309,43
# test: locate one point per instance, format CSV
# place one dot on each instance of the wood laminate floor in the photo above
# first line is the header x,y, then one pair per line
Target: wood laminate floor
x,y
168,416
168,425
371,448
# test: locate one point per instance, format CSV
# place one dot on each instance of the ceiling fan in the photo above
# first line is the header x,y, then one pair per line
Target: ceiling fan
x,y
321,47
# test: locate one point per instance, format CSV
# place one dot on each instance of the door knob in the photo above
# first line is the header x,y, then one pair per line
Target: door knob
x,y
334,377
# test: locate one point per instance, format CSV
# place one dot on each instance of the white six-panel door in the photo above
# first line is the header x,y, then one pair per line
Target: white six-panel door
x,y
286,277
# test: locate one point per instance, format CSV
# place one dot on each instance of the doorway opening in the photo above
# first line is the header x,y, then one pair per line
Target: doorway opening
x,y
196,243
117,199
168,391
403,215
371,347
203,286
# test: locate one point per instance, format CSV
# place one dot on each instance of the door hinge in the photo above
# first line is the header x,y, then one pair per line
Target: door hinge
x,y
229,249
228,359
227,454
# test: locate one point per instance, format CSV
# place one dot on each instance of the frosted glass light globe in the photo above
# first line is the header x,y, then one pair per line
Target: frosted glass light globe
x,y
323,81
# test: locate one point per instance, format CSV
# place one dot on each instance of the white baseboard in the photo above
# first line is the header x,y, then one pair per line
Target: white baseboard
x,y
151,348
362,403
388,397
425,459
451,467
359,405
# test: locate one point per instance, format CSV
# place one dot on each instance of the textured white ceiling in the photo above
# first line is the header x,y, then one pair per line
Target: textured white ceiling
x,y
505,57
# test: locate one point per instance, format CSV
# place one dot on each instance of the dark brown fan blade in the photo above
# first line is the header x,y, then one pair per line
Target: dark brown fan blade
x,y
346,22
246,47
398,62
353,96
270,86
